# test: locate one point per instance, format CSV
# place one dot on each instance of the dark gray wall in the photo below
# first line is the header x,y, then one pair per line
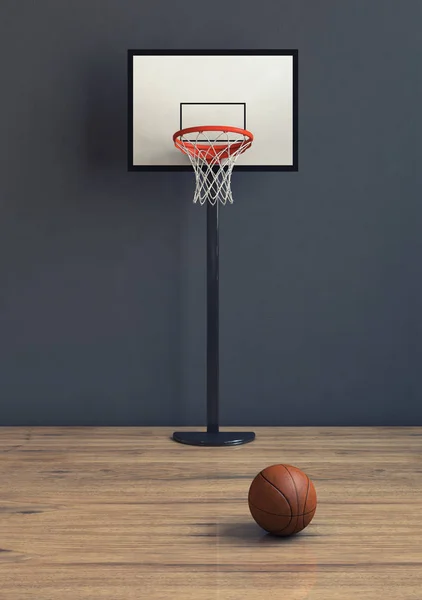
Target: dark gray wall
x,y
102,272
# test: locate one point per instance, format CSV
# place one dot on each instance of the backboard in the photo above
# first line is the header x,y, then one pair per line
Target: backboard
x,y
255,90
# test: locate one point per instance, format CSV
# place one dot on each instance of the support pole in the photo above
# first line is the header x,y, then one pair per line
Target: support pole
x,y
213,382
213,436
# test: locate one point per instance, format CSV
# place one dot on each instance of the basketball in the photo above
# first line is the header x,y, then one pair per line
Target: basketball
x,y
282,500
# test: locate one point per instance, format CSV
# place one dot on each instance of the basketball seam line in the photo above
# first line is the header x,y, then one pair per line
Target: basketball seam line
x,y
280,492
306,499
297,496
278,515
294,485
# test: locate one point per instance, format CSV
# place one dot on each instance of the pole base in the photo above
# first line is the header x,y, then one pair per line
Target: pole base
x,y
219,438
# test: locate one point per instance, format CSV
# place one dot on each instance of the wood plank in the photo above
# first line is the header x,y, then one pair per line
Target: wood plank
x,y
117,513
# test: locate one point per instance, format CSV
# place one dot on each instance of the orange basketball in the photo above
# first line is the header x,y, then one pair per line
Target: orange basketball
x,y
282,500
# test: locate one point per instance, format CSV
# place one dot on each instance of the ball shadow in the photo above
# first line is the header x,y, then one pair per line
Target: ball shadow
x,y
252,533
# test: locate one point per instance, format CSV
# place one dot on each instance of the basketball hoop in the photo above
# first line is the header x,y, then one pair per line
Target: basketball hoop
x,y
213,151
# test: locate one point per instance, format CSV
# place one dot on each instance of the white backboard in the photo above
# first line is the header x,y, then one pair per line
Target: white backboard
x,y
172,90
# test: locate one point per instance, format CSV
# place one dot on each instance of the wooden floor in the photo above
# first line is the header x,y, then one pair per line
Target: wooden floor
x,y
125,513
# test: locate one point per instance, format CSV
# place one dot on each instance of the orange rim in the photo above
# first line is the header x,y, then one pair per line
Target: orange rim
x,y
203,150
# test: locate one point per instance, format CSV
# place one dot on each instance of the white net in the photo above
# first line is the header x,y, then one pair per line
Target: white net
x,y
213,155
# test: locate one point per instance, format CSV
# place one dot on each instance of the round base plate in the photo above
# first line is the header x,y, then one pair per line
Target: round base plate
x,y
220,438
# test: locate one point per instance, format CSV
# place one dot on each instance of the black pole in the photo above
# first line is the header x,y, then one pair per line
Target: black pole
x,y
212,317
213,436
